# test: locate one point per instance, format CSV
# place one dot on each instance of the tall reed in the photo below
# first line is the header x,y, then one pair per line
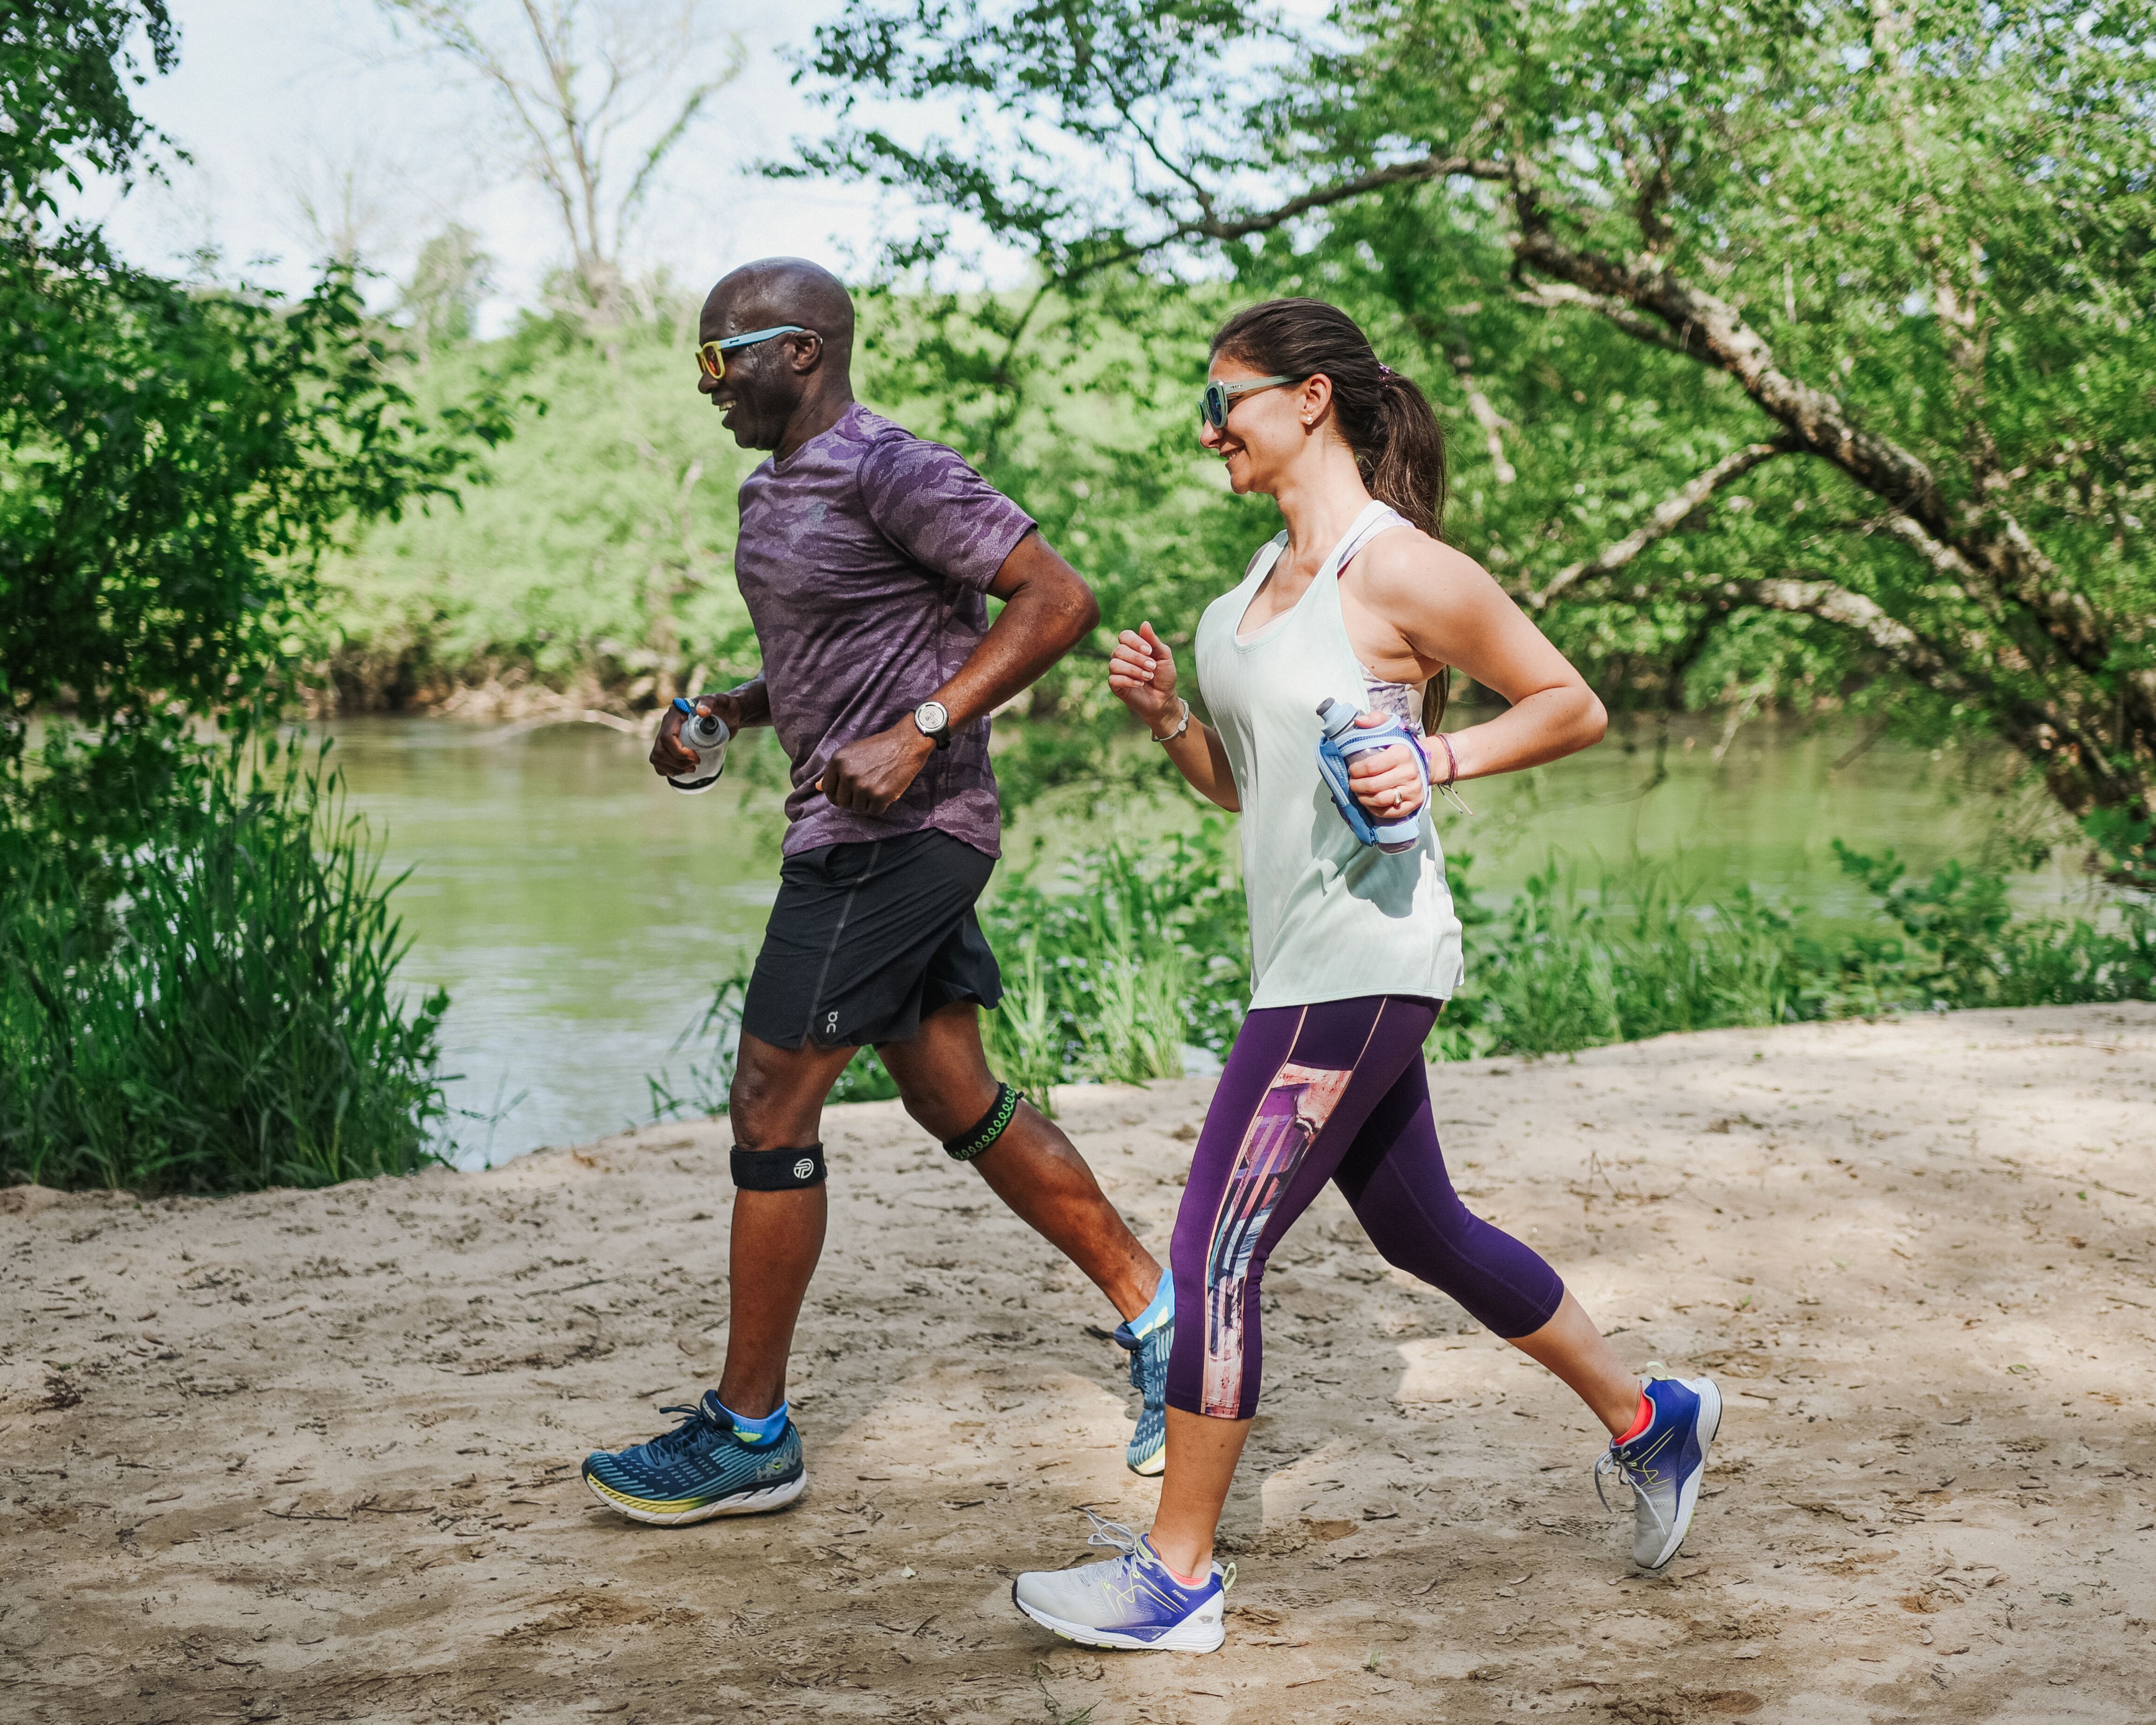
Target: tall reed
x,y
1121,967
233,1019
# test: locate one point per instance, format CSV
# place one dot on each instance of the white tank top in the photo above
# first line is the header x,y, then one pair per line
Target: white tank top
x,y
1331,918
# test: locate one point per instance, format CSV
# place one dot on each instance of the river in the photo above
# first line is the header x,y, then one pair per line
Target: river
x,y
580,912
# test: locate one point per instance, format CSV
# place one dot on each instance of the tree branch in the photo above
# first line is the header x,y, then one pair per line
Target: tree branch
x,y
1669,514
1494,423
1563,296
2077,765
1400,174
1992,546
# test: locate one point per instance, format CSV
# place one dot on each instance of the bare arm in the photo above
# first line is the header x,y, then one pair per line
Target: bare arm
x,y
1048,609
1449,611
1141,672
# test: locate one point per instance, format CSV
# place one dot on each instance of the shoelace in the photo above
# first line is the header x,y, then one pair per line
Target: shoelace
x,y
1636,1477
1138,1363
1117,1538
667,1445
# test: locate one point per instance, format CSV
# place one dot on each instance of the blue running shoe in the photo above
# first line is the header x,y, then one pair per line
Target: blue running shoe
x,y
1147,1453
698,1469
1663,1465
1131,1601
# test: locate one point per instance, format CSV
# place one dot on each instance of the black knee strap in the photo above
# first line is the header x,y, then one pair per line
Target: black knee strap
x,y
778,1170
987,1129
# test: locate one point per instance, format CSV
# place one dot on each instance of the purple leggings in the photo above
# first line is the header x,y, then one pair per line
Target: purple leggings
x,y
1334,1092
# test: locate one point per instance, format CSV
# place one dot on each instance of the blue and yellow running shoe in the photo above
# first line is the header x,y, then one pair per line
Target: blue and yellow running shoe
x,y
1148,1337
701,1468
1662,1462
1131,1601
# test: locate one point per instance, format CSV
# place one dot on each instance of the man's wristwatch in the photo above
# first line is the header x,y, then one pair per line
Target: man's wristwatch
x,y
932,719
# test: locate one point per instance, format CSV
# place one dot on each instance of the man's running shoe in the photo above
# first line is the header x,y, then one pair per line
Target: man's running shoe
x,y
1663,1464
1131,1601
698,1469
1147,1453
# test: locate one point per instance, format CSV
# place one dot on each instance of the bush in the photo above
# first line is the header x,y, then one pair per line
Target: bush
x,y
215,1011
1636,954
1115,975
1129,965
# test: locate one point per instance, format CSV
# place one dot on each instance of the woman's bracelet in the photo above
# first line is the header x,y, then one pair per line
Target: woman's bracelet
x,y
1445,787
1180,729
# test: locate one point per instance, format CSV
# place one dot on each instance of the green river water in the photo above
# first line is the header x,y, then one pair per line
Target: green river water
x,y
580,912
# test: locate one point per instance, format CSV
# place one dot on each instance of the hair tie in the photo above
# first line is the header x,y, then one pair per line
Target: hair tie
x,y
1388,371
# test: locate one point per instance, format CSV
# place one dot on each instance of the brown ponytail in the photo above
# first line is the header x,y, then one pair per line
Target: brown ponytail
x,y
1399,444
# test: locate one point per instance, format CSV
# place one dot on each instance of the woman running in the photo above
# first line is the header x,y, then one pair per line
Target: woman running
x,y
1353,951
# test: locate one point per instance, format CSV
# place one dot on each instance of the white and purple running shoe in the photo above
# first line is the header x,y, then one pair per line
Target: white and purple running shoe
x,y
1663,1464
1131,1601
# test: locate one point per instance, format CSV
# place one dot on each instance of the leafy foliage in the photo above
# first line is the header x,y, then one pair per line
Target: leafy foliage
x,y
1796,351
1119,968
233,1019
597,560
1636,954
177,460
66,70
198,989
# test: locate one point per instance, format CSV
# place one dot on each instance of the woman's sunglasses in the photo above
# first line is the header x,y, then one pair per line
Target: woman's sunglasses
x,y
1213,406
711,357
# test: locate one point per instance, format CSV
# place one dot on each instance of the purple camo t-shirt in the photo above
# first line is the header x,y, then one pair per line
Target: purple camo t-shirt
x,y
865,557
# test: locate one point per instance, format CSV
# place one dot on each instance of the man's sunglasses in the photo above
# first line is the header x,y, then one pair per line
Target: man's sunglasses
x,y
711,357
1213,406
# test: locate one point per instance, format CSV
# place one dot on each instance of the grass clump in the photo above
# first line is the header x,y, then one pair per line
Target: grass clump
x,y
1121,967
1632,953
216,1009
1114,970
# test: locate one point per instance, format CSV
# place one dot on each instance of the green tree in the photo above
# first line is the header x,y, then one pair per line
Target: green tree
x,y
177,460
1806,345
196,961
447,280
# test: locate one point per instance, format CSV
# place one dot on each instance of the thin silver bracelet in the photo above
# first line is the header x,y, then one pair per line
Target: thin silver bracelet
x,y
1180,729
1446,789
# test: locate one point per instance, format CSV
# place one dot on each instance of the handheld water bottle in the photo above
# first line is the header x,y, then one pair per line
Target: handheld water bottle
x,y
1343,740
704,735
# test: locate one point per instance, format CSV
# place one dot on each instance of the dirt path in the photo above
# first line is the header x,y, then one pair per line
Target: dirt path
x,y
313,1455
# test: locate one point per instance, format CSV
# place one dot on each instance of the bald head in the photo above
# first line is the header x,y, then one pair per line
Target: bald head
x,y
777,291
777,393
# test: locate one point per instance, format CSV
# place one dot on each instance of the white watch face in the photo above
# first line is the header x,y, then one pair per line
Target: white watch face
x,y
930,716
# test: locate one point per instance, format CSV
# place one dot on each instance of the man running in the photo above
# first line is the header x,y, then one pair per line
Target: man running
x,y
865,556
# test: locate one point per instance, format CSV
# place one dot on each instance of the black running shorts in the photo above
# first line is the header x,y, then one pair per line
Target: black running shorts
x,y
866,940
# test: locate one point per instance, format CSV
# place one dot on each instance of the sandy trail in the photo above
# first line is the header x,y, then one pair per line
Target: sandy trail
x,y
312,1456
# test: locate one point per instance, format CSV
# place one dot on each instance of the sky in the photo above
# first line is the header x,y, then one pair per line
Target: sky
x,y
281,104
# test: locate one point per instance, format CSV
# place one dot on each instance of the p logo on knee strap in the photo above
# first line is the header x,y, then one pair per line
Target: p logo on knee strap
x,y
987,1129
778,1170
